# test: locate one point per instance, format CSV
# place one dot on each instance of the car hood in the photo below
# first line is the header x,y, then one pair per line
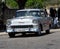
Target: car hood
x,y
23,20
26,17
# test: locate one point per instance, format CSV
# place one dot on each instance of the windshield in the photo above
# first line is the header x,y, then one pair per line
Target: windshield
x,y
28,13
21,13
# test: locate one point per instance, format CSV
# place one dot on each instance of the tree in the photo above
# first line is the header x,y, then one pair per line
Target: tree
x,y
34,4
11,4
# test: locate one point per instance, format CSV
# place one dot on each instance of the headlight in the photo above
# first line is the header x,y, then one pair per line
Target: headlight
x,y
35,21
8,22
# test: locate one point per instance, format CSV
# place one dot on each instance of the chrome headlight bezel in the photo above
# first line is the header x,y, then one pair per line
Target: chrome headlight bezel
x,y
35,21
8,22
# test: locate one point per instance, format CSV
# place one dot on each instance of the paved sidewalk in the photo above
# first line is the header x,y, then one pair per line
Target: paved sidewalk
x,y
55,30
52,30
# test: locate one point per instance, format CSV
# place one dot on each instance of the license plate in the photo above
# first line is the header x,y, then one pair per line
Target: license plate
x,y
21,30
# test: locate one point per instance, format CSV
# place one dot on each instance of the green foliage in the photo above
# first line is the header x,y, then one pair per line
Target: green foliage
x,y
0,1
11,4
34,4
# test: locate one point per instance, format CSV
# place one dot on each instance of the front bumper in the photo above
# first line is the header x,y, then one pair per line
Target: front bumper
x,y
22,29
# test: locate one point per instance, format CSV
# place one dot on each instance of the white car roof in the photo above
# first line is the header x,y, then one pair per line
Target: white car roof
x,y
30,10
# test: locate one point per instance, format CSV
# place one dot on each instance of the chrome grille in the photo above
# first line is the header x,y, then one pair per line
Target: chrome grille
x,y
22,26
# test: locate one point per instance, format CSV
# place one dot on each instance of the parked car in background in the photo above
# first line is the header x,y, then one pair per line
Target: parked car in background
x,y
28,21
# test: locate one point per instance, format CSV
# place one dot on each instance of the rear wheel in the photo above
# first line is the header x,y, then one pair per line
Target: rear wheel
x,y
47,31
11,34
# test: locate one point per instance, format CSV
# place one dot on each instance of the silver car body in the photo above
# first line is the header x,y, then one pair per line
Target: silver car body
x,y
26,20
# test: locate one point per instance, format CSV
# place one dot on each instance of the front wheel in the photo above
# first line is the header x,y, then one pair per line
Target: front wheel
x,y
11,34
39,32
23,34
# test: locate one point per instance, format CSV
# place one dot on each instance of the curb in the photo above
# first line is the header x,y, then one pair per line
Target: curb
x,y
3,33
55,30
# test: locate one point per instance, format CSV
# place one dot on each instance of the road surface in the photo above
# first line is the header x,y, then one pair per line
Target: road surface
x,y
31,41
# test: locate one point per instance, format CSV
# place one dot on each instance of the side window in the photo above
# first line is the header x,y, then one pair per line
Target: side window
x,y
42,13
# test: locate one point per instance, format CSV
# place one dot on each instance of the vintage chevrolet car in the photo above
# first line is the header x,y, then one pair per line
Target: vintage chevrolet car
x,y
28,21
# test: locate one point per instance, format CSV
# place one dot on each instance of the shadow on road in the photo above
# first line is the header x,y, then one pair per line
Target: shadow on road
x,y
31,35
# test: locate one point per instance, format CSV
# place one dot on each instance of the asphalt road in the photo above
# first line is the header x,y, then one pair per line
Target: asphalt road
x,y
31,41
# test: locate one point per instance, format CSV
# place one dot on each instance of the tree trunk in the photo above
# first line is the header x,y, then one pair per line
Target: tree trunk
x,y
21,3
